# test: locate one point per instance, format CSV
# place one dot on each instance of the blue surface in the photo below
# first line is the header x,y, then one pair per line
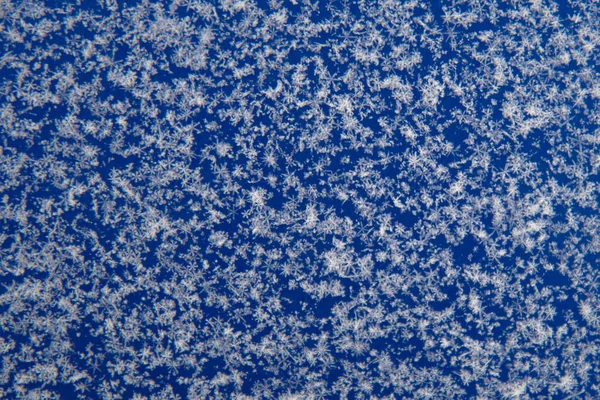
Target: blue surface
x,y
294,200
